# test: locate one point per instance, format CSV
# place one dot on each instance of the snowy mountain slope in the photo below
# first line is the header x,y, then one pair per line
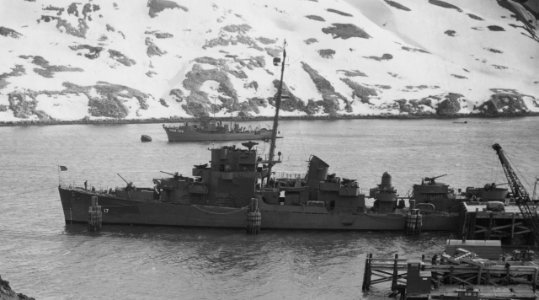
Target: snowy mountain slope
x,y
64,60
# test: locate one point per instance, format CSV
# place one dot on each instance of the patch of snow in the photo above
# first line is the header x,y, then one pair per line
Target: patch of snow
x,y
63,107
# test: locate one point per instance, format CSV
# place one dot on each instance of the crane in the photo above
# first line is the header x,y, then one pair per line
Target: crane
x,y
535,189
522,198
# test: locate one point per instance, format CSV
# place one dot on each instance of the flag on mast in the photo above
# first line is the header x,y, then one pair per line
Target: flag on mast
x,y
62,168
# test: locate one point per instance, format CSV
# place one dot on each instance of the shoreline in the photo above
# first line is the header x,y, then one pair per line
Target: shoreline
x,y
6,293
262,118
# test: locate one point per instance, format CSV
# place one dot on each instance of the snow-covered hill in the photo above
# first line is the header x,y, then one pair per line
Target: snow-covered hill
x,y
137,59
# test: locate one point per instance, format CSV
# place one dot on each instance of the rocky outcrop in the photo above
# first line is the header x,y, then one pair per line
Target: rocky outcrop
x,y
8,32
265,40
91,52
289,101
450,106
495,28
397,5
524,14
329,95
82,12
385,56
157,6
450,32
121,58
160,35
22,104
412,107
17,70
342,13
233,34
106,99
345,31
360,91
177,94
445,5
352,73
315,17
475,17
504,102
47,70
152,49
6,293
326,53
197,103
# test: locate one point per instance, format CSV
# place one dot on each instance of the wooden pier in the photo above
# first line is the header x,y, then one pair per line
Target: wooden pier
x,y
507,225
456,277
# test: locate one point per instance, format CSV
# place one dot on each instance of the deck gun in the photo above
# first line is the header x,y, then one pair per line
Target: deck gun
x,y
431,180
129,183
175,174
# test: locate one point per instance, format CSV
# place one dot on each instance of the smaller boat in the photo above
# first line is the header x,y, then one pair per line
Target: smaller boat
x,y
460,122
210,130
145,138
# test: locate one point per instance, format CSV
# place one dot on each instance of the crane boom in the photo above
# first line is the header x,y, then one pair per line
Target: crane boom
x,y
522,198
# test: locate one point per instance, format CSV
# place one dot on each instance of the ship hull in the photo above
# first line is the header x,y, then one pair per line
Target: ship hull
x,y
76,201
197,136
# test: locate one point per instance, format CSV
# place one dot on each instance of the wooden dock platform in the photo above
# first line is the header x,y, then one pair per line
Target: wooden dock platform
x,y
507,225
462,276
483,292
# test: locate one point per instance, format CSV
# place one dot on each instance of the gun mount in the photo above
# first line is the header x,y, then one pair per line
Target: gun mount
x,y
129,183
249,145
175,174
432,180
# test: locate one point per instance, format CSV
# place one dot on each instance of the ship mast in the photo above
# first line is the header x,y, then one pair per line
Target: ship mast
x,y
271,162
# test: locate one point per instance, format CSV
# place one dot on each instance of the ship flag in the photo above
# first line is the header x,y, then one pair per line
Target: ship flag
x,y
62,168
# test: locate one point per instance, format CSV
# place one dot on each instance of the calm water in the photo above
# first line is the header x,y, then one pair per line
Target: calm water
x,y
43,258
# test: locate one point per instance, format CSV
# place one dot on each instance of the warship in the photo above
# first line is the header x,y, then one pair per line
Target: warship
x,y
210,130
233,189
237,189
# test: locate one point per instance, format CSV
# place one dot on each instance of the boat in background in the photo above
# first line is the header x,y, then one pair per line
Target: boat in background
x,y
210,130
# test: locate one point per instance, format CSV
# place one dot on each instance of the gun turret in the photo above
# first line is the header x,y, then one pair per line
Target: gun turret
x,y
249,145
122,178
175,174
129,183
431,180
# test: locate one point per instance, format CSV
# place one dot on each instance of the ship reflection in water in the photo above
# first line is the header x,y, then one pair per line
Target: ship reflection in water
x,y
191,261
